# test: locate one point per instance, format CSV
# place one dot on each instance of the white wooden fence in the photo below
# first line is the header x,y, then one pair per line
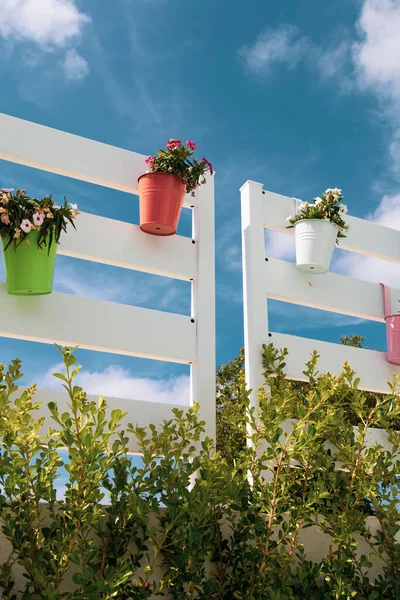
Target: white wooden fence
x,y
265,277
107,326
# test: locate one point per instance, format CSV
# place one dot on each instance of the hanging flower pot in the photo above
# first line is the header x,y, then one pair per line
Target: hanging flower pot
x,y
30,230
161,200
29,269
315,242
392,329
317,228
173,173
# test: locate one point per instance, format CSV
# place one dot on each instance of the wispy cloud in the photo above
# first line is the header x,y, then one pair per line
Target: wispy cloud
x,y
102,282
118,382
74,65
282,46
289,318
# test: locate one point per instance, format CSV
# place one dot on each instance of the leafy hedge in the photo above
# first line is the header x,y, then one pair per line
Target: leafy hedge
x,y
185,523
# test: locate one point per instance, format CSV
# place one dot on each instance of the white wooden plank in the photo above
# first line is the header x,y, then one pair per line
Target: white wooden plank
x,y
70,155
370,366
363,236
254,302
120,244
98,325
140,412
331,292
203,308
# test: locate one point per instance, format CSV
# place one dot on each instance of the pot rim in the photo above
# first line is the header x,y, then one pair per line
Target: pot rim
x,y
160,173
315,220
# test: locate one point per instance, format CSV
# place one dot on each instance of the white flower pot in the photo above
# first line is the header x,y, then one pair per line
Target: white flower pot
x,y
315,242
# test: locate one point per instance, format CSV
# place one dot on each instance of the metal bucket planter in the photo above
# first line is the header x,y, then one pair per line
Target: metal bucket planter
x,y
392,329
315,242
29,269
161,198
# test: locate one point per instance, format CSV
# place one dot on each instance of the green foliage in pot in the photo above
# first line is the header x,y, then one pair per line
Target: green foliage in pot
x,y
20,214
178,159
327,207
186,523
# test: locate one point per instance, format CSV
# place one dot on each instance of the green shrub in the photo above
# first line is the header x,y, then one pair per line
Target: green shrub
x,y
187,523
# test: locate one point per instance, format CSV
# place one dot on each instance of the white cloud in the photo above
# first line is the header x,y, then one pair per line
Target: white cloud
x,y
373,269
377,63
45,22
279,245
116,382
283,45
75,66
377,55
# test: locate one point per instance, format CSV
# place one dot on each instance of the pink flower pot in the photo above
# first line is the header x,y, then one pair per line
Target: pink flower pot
x,y
392,330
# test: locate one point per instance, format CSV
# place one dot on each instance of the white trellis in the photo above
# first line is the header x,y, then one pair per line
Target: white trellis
x,y
108,326
268,278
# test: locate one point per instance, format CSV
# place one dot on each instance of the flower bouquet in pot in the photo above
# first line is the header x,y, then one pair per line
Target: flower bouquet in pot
x,y
318,227
172,173
30,230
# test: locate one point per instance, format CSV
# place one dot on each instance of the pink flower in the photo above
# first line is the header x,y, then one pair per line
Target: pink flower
x,y
5,219
38,218
26,226
149,160
209,165
191,145
172,144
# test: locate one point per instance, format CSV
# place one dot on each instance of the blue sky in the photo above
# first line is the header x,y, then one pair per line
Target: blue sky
x,y
298,96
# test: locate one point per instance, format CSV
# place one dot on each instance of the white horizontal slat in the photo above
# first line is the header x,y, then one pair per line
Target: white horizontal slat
x,y
363,236
120,244
98,325
140,412
331,292
66,154
370,366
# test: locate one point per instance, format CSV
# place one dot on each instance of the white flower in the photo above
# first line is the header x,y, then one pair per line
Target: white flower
x,y
336,192
289,218
343,208
26,225
303,205
73,206
38,218
318,201
7,189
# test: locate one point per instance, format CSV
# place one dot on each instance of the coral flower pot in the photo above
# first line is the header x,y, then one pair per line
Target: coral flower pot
x,y
392,330
161,198
29,269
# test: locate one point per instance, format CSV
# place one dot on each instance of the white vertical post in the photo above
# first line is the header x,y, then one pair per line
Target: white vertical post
x,y
202,389
254,297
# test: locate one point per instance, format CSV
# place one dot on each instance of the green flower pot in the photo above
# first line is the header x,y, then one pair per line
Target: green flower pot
x,y
29,269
